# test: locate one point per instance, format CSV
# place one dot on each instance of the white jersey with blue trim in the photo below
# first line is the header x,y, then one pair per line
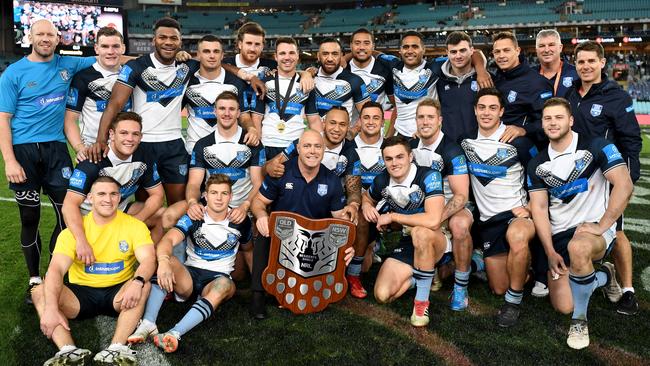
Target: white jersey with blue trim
x,y
342,89
158,91
497,171
213,245
88,95
200,96
575,180
370,163
379,82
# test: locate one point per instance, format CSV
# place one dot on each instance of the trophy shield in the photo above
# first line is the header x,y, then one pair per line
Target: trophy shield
x,y
306,269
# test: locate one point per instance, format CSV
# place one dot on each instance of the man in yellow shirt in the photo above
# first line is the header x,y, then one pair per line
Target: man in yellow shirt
x,y
110,286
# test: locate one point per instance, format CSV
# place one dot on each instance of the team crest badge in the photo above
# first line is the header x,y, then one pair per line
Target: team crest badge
x,y
231,239
182,169
241,156
596,109
322,189
447,87
414,197
373,83
567,81
339,89
299,93
487,245
124,246
423,78
66,172
512,96
306,269
502,153
474,85
580,164
64,75
181,73
340,168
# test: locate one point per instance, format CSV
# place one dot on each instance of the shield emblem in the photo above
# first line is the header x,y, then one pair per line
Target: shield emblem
x,y
447,87
580,164
339,89
340,168
241,156
64,75
474,85
66,172
181,73
182,169
231,238
306,269
322,189
596,109
124,246
299,93
567,81
414,197
502,153
512,96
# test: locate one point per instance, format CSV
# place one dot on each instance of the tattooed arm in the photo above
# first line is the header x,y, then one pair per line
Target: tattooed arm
x,y
459,185
353,189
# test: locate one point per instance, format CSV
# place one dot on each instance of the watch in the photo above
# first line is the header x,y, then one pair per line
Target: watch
x,y
139,278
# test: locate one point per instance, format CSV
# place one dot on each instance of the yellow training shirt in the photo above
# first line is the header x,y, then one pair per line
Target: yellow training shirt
x,y
113,245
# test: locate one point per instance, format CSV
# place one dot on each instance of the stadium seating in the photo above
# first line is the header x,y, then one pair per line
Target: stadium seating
x,y
281,22
193,22
347,20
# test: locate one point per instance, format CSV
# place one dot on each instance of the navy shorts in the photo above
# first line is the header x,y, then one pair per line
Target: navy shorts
x,y
95,301
405,253
561,244
492,233
271,152
201,277
170,158
47,166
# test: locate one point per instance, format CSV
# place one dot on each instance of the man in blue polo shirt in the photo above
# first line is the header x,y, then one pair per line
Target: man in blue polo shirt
x,y
32,106
321,196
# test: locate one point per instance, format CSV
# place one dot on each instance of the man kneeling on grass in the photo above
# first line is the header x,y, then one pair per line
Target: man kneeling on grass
x,y
211,253
109,286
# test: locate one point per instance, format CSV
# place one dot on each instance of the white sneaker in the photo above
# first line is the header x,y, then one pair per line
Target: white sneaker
x,y
145,330
578,335
116,354
69,355
539,290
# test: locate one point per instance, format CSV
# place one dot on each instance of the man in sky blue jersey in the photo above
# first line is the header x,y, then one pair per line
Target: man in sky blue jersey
x,y
32,106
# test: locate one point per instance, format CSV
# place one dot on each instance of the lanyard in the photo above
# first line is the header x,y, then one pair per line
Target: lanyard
x,y
558,76
282,101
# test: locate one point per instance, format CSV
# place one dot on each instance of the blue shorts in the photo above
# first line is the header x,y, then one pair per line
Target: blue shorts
x,y
201,277
171,159
405,253
95,301
271,152
47,166
492,234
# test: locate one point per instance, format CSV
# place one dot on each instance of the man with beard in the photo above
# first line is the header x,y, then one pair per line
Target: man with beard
x,y
32,107
574,214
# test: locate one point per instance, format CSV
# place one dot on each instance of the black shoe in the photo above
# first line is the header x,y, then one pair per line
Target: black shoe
x,y
28,296
258,305
627,305
508,315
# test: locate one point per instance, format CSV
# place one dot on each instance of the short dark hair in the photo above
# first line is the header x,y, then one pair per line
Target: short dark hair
x,y
557,101
490,91
456,37
166,22
412,33
106,179
108,32
210,38
505,35
363,31
339,108
396,140
250,28
287,40
126,116
227,95
590,46
218,179
371,104
332,40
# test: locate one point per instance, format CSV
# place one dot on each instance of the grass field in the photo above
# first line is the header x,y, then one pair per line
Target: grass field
x,y
354,332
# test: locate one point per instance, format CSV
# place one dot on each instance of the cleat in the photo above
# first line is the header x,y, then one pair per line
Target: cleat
x,y
459,299
356,287
477,257
612,289
66,356
508,315
578,334
376,258
420,315
627,305
116,354
539,290
436,283
168,342
28,295
142,333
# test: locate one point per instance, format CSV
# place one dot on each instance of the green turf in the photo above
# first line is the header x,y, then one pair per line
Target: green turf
x,y
341,336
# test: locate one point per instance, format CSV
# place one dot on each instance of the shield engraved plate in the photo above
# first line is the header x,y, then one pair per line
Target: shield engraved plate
x,y
306,269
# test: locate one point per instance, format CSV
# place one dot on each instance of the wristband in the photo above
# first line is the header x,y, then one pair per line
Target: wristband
x,y
139,278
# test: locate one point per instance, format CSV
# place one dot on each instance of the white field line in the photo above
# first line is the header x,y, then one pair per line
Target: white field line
x,y
645,278
5,199
148,354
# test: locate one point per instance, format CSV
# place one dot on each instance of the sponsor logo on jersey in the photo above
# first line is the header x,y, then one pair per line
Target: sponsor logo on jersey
x,y
78,179
629,109
288,185
612,153
512,96
184,223
596,110
124,246
105,268
546,95
322,189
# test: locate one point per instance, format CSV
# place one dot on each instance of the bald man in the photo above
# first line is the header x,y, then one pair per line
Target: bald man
x,y
32,140
320,196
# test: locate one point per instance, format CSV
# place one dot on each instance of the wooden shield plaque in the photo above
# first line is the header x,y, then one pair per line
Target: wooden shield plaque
x,y
306,269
